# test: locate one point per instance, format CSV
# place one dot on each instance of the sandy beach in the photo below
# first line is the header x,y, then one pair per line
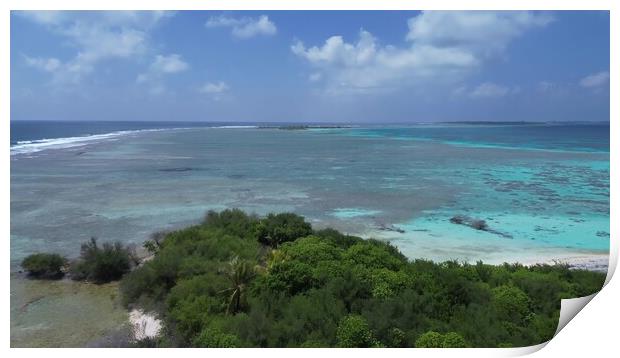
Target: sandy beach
x,y
144,325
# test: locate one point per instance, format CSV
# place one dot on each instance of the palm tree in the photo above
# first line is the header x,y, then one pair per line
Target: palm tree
x,y
240,273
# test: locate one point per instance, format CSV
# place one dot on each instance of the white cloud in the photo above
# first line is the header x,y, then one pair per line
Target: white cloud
x,y
44,64
336,51
163,65
442,47
244,27
367,66
169,64
97,36
215,90
45,17
483,31
214,87
98,43
224,21
486,90
595,80
142,19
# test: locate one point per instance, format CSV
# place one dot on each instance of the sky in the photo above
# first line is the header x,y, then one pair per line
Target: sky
x,y
310,66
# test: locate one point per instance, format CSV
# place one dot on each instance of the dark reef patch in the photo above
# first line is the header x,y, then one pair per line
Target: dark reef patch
x,y
179,169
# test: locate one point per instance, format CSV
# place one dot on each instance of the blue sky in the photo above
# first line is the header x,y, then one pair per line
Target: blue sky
x,y
313,66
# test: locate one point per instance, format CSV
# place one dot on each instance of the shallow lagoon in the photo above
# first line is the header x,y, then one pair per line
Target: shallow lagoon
x,y
357,180
550,198
64,313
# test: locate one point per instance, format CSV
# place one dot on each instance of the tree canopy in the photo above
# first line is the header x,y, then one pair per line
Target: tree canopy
x,y
237,280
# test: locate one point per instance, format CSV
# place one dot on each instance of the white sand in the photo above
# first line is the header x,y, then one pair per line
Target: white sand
x,y
592,262
144,325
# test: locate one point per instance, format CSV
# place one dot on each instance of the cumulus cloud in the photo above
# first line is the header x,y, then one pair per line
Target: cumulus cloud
x,y
215,90
97,36
169,64
44,64
367,66
442,47
245,27
162,65
479,31
217,87
44,17
595,80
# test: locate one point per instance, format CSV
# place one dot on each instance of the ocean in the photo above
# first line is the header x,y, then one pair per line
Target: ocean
x,y
546,186
542,189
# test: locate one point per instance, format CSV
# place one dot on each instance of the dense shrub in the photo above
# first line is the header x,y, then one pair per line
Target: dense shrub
x,y
397,338
211,338
234,221
44,265
453,340
276,229
511,303
430,339
216,285
101,264
353,332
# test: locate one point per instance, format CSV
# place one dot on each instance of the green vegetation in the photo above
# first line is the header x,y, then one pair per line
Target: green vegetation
x,y
98,264
304,127
432,339
44,265
293,128
101,264
275,230
240,281
353,332
212,338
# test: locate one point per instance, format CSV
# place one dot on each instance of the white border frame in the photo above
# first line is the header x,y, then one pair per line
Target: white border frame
x,y
592,332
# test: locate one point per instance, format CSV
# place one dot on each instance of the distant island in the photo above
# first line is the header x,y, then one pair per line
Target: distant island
x,y
239,280
500,123
305,126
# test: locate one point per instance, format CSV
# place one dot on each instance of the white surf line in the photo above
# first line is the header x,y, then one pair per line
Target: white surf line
x,y
33,146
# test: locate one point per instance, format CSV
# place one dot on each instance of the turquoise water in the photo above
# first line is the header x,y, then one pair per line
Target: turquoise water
x,y
544,188
546,136
348,213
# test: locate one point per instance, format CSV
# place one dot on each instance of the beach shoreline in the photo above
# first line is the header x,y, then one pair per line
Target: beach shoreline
x,y
143,325
590,262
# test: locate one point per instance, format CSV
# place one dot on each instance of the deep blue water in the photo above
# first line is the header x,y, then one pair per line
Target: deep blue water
x,y
576,137
22,131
